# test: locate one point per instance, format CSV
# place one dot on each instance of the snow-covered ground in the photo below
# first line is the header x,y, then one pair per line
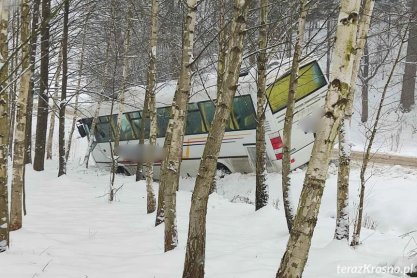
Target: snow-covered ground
x,y
72,231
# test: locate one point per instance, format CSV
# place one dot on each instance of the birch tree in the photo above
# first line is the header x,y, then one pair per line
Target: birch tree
x,y
298,246
4,130
175,131
150,90
409,79
342,215
196,241
55,104
261,198
19,142
289,114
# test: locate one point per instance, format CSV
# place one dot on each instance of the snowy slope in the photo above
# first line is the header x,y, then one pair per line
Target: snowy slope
x,y
72,231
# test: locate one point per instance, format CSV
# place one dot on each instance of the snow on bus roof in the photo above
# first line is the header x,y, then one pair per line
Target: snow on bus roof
x,y
203,88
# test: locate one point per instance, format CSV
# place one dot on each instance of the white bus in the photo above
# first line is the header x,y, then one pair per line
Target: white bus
x,y
238,152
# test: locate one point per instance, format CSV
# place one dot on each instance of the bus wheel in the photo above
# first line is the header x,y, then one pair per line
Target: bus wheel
x,y
222,171
122,170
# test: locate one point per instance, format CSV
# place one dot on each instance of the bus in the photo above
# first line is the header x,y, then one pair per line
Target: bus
x,y
238,149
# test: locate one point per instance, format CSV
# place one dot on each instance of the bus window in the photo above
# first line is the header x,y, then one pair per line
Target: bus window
x,y
207,109
163,115
243,113
310,80
195,124
126,131
102,132
136,122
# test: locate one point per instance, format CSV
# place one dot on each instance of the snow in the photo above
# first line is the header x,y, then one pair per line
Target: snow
x,y
71,230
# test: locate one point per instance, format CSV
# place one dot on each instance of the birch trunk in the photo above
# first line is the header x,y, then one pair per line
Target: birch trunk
x,y
409,79
261,198
42,118
289,114
175,130
365,86
29,109
62,170
342,213
55,104
195,253
14,71
150,88
367,155
19,142
139,166
298,246
4,132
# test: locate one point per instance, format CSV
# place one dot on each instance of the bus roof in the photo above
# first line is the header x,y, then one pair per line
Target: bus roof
x,y
203,88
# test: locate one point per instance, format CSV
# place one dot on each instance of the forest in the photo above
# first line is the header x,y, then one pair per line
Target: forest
x,y
208,138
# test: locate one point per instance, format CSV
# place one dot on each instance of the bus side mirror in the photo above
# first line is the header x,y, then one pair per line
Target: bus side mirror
x,y
81,129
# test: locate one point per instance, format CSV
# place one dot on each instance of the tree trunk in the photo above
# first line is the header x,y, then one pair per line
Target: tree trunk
x,y
4,132
367,155
342,214
63,104
365,86
150,88
261,198
29,109
14,71
175,130
298,246
19,143
409,79
289,114
42,118
195,254
54,109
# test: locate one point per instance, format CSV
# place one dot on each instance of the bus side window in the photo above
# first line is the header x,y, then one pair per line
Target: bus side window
x,y
136,122
126,131
207,109
163,115
195,124
103,130
244,113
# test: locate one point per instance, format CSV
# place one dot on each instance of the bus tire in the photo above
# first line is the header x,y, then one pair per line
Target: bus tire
x,y
222,171
123,171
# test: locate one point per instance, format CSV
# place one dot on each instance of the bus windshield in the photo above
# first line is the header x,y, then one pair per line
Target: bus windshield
x,y
310,80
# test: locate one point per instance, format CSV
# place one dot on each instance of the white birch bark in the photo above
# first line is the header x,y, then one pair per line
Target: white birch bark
x,y
345,146
55,104
175,131
286,159
4,132
20,134
298,246
196,242
261,195
150,88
